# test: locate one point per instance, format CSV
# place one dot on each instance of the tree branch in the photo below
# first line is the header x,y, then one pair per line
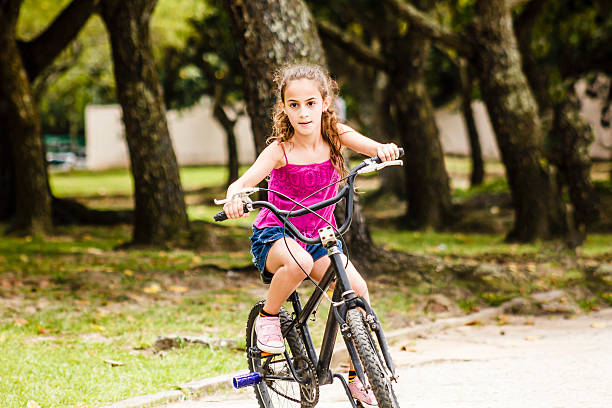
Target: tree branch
x,y
431,28
351,44
510,4
38,53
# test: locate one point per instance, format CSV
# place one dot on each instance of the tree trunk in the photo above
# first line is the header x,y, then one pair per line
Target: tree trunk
x,y
19,117
270,33
425,178
569,141
36,55
568,136
7,174
160,213
232,148
539,212
467,81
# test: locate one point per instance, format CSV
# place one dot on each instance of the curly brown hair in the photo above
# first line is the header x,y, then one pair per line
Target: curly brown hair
x,y
283,130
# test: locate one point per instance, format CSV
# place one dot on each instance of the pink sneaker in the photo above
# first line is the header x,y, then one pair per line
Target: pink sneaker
x,y
359,392
269,335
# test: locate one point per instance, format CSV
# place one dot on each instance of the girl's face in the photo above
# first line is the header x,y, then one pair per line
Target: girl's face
x,y
304,105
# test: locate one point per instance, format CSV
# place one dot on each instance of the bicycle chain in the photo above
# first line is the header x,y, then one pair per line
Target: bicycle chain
x,y
312,383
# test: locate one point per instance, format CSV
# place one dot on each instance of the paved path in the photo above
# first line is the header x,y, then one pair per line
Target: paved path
x,y
547,362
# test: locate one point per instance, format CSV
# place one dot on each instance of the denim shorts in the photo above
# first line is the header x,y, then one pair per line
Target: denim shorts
x,y
263,239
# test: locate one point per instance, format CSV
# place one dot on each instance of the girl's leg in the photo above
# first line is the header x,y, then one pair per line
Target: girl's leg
x,y
287,277
287,273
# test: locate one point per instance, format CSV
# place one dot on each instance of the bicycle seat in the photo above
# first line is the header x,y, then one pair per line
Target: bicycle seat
x,y
266,277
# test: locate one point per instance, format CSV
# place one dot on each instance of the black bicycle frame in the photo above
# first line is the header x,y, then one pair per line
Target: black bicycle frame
x,y
343,299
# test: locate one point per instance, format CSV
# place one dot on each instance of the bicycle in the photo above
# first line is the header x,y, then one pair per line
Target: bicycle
x,y
296,375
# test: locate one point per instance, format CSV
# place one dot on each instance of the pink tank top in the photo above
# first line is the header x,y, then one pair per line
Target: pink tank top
x,y
299,181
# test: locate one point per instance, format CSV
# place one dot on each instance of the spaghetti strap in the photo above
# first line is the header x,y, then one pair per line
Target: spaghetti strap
x,y
284,152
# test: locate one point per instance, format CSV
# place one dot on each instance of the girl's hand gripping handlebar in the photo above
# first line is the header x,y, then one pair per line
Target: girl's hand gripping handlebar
x,y
243,195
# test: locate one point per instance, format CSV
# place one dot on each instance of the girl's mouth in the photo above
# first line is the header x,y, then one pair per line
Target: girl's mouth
x,y
305,123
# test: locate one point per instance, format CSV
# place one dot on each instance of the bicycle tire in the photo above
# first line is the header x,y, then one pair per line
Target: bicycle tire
x,y
370,360
267,392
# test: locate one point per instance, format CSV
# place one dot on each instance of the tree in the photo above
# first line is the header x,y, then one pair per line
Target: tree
x,y
263,49
270,33
575,47
467,88
27,191
488,42
396,50
208,64
160,211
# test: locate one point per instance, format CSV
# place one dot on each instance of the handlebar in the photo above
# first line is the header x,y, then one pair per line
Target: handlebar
x,y
371,164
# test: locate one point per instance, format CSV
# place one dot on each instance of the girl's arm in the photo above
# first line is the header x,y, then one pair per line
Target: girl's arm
x,y
271,157
354,140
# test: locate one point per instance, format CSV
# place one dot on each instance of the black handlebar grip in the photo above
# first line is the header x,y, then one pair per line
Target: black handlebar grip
x,y
221,216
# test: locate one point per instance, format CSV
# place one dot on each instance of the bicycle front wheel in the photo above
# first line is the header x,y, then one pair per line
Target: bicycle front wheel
x,y
282,393
371,360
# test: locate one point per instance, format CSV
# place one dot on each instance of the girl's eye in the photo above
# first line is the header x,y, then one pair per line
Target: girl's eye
x,y
293,105
311,103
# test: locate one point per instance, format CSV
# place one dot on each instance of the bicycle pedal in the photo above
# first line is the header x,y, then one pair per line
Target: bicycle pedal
x,y
247,380
254,352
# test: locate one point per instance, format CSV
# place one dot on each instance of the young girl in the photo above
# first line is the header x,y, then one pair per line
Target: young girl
x,y
304,154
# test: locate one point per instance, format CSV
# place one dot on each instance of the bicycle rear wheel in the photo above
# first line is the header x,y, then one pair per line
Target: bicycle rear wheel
x,y
272,393
371,360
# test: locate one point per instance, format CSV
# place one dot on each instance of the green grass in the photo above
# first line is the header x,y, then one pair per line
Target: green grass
x,y
435,243
70,303
474,244
113,182
495,186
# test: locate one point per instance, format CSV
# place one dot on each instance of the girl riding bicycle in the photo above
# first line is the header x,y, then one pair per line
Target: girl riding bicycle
x,y
304,155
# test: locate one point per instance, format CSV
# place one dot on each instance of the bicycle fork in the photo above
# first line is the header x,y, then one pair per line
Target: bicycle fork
x,y
349,301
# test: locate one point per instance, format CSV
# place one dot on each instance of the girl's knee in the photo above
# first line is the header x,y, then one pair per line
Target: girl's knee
x,y
361,287
301,265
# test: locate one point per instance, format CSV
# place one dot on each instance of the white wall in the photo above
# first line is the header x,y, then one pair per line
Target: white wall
x,y
196,136
199,139
453,132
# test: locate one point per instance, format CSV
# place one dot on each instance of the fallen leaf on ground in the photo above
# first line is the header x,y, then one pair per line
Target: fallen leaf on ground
x,y
474,323
502,320
405,348
529,323
598,325
178,289
152,288
113,363
128,272
530,338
